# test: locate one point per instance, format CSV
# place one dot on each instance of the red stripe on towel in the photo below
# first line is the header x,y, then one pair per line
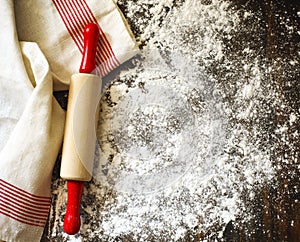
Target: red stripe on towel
x,y
75,15
71,27
23,206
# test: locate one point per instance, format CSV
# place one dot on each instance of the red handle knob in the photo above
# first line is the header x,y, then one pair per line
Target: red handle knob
x,y
75,188
91,37
72,218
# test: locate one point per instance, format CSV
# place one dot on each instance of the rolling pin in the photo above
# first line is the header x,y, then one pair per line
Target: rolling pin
x,y
80,135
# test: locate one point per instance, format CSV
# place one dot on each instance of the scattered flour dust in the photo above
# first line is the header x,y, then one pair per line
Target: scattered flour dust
x,y
183,141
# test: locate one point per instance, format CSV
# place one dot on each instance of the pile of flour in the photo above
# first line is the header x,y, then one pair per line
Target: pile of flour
x,y
183,131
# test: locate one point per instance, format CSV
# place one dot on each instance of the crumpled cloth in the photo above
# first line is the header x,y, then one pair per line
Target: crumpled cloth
x,y
40,48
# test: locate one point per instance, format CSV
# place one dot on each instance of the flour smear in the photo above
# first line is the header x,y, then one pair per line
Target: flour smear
x,y
183,129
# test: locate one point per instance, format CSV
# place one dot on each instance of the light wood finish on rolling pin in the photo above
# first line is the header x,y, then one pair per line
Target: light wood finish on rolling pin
x,y
80,136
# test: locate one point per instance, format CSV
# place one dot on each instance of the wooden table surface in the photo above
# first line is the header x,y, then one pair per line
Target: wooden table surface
x,y
276,212
277,209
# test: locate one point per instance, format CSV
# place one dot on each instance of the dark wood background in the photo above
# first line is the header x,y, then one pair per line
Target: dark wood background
x,y
277,208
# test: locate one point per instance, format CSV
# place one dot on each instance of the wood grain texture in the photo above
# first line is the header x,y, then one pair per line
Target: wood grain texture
x,y
277,210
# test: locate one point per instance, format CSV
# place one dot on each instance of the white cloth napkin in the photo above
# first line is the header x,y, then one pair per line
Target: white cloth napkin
x,y
31,121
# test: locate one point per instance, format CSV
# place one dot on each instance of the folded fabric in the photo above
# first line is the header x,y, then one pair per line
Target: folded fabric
x,y
57,27
31,121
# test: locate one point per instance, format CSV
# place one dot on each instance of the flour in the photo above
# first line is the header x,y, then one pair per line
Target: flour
x,y
183,131
172,182
149,133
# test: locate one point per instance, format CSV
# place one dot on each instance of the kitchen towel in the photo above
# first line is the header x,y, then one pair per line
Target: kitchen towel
x,y
40,48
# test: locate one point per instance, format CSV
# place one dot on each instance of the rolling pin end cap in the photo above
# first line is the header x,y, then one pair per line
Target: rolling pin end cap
x,y
71,225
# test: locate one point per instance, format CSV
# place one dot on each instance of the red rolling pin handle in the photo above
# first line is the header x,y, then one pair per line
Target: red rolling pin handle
x,y
75,188
72,218
91,37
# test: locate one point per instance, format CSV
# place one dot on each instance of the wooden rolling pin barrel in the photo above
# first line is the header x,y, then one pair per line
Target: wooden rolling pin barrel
x,y
80,136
